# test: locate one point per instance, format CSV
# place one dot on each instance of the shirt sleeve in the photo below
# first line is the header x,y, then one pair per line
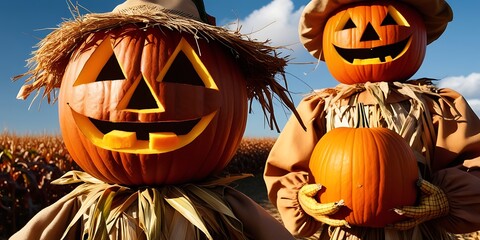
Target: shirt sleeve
x,y
458,132
456,162
51,222
257,223
463,193
286,170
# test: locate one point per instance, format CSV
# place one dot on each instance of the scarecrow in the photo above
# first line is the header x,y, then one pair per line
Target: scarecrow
x,y
341,180
153,100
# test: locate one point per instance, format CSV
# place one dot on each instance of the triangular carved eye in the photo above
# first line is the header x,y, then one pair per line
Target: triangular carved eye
x,y
185,67
349,24
388,20
394,17
101,66
182,71
345,22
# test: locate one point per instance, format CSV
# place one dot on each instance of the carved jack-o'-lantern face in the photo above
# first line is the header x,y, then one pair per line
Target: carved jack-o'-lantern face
x,y
375,41
143,107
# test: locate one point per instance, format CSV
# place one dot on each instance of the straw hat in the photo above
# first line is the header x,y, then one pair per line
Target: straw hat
x,y
436,15
193,9
185,8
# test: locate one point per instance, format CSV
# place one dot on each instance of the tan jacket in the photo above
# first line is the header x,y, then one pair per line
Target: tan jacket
x,y
438,123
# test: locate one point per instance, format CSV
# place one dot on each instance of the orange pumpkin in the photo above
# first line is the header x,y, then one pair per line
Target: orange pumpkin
x,y
152,106
375,41
372,169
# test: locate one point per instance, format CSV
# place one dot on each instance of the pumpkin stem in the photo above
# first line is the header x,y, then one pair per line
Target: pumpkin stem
x,y
362,120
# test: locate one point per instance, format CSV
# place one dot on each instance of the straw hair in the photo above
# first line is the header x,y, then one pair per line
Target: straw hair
x,y
259,62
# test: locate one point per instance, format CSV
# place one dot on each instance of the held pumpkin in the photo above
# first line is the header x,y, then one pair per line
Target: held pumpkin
x,y
374,41
372,169
143,106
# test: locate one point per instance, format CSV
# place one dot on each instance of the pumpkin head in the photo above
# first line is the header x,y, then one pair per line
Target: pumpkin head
x,y
372,169
151,106
373,42
153,92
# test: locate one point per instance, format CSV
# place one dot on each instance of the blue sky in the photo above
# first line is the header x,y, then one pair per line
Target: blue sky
x,y
454,58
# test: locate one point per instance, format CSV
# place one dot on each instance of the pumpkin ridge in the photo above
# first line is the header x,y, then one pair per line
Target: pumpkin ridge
x,y
347,168
382,170
105,166
371,179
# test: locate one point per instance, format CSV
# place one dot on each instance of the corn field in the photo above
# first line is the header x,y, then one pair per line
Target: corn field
x,y
251,156
27,166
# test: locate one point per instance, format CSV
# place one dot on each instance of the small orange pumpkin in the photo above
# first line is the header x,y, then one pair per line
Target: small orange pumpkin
x,y
142,106
372,169
375,41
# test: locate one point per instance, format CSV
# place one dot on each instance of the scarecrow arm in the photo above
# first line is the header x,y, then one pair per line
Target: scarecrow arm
x,y
319,211
257,223
462,191
51,222
456,161
433,204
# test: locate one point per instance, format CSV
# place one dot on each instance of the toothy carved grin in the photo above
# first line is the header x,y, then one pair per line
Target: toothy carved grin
x,y
382,54
143,138
142,130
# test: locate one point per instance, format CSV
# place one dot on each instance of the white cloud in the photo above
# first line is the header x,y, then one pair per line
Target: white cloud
x,y
277,22
468,86
475,104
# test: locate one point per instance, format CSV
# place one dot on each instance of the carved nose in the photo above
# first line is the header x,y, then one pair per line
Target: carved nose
x,y
142,98
369,34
